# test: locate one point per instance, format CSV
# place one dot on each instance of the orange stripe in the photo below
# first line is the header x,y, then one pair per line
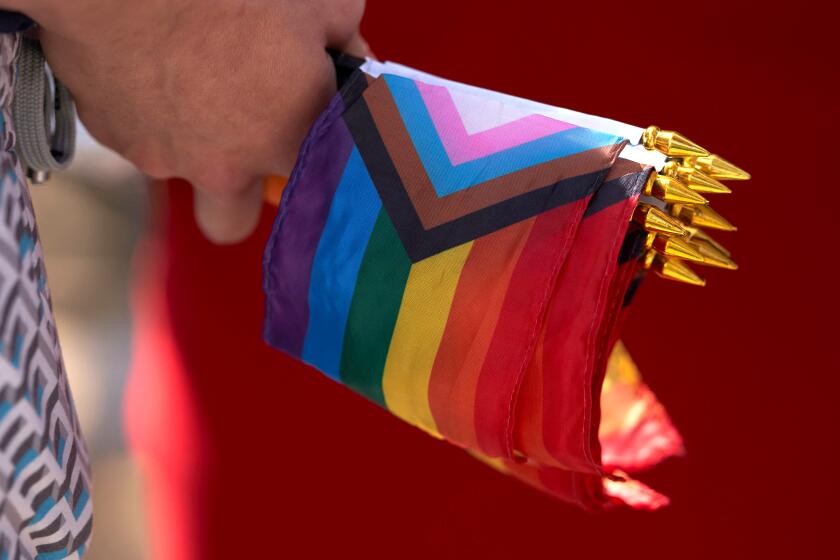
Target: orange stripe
x,y
472,321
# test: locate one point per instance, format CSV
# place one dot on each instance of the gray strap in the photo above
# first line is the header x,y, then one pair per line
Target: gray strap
x,y
44,115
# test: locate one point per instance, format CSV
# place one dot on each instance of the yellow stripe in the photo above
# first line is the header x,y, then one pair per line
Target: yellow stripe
x,y
420,325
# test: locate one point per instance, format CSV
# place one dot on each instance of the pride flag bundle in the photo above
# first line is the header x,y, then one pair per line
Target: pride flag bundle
x,y
463,258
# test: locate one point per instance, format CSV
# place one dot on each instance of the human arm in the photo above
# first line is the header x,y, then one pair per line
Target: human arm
x,y
220,93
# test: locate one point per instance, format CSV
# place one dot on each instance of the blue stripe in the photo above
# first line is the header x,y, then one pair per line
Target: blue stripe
x,y
55,555
59,452
16,350
25,245
336,266
80,506
43,510
39,396
447,178
24,461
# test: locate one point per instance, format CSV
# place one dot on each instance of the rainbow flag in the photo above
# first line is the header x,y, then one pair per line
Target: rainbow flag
x,y
462,259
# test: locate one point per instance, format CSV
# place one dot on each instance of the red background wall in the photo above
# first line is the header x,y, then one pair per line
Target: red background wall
x,y
751,379
277,461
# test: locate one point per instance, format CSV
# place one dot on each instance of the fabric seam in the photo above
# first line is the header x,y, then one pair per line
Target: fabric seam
x,y
550,286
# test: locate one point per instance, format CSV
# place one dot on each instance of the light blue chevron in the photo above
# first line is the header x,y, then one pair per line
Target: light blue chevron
x,y
447,178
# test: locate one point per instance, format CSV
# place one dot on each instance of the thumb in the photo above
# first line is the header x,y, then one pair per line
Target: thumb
x,y
229,218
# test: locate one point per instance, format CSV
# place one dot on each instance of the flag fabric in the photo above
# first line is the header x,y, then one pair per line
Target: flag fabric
x,y
635,433
463,260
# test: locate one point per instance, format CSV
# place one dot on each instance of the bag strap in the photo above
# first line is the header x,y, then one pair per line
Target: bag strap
x,y
44,115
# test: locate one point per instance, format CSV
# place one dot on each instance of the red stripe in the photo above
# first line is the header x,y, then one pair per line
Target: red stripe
x,y
531,413
528,428
577,331
514,339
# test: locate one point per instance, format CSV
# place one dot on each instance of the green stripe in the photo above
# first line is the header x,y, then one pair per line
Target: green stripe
x,y
374,310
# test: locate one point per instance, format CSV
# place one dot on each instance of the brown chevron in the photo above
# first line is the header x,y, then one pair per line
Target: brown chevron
x,y
434,210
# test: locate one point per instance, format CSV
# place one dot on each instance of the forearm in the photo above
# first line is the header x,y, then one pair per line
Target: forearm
x,y
336,20
86,20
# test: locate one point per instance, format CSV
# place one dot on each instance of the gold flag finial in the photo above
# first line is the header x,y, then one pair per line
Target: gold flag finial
x,y
674,269
717,167
655,220
694,179
712,256
677,247
671,143
672,191
703,216
702,183
695,233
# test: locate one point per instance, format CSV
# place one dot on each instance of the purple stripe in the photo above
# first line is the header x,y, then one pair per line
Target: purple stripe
x,y
297,229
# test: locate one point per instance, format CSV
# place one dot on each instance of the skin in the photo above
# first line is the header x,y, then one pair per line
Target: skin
x,y
219,93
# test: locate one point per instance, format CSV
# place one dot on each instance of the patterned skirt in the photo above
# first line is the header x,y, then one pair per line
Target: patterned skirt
x,y
45,502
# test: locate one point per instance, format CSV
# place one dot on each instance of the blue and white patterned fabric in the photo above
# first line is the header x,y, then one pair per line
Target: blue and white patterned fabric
x,y
45,502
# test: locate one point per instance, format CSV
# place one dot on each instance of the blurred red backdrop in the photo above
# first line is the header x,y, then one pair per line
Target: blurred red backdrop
x,y
748,379
756,82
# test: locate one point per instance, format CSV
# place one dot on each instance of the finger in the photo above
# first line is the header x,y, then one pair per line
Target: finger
x,y
341,20
358,47
230,218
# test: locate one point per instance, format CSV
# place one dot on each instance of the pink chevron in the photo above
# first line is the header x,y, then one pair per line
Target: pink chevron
x,y
462,147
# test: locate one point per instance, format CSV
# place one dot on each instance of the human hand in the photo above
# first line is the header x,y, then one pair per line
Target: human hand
x,y
220,93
